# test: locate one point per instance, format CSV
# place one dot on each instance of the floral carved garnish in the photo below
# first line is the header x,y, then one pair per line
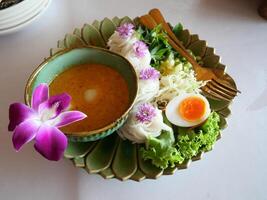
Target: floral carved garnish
x,y
125,30
149,73
145,113
41,121
140,49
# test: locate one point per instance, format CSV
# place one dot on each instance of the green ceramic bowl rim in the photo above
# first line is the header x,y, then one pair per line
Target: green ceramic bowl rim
x,y
47,60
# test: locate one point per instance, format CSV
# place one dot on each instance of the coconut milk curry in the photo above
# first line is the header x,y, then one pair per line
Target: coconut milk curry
x,y
97,90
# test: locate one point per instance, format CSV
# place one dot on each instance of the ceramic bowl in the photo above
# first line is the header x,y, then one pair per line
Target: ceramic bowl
x,y
69,58
19,15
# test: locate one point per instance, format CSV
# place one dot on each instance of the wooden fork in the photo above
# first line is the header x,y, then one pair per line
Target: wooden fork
x,y
216,87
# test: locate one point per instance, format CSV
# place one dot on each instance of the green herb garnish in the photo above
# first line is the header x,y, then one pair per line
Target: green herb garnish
x,y
159,47
158,44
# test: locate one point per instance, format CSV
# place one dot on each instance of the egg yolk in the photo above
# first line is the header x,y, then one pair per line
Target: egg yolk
x,y
191,108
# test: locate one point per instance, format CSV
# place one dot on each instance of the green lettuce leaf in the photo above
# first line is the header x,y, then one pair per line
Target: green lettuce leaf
x,y
161,151
165,152
190,142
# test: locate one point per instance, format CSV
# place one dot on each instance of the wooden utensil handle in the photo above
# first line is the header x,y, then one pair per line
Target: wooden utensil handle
x,y
158,17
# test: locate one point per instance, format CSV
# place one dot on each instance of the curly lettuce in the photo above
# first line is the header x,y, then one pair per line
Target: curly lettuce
x,y
167,151
161,151
190,142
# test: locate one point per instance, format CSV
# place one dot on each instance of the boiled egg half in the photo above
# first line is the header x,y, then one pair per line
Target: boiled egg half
x,y
187,110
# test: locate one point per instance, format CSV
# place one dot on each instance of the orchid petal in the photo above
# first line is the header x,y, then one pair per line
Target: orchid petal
x,y
62,102
24,133
18,113
68,117
39,95
50,142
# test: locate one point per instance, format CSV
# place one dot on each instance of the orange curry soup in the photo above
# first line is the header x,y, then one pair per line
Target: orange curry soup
x,y
96,90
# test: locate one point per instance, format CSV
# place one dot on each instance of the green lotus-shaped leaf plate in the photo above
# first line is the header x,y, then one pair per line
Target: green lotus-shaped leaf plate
x,y
113,157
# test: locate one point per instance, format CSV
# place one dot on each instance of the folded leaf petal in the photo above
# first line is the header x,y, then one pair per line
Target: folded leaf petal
x,y
50,142
24,133
68,117
39,96
18,113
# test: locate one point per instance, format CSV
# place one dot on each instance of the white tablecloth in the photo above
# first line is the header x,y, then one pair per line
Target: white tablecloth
x,y
235,170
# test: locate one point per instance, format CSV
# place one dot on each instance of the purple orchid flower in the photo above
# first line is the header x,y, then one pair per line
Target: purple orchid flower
x,y
41,122
125,30
149,73
145,113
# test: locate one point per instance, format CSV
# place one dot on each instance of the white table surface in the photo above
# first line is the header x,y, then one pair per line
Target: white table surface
x,y
235,170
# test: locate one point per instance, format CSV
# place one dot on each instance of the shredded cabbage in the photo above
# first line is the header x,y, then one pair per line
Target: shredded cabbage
x,y
177,77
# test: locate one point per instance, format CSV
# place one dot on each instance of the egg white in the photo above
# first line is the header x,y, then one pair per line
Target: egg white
x,y
175,118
